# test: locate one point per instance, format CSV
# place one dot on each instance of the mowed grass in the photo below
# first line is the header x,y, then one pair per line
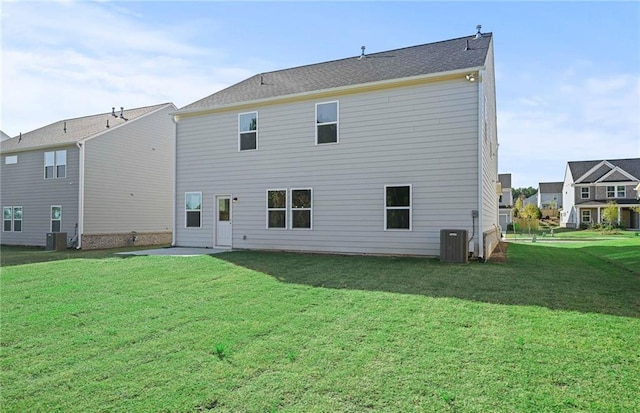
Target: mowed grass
x,y
555,328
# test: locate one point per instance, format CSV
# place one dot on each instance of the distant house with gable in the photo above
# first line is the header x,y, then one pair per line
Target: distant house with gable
x,y
105,180
590,185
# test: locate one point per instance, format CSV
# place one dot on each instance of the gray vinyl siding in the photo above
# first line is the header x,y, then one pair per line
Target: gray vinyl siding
x,y
23,184
424,136
129,177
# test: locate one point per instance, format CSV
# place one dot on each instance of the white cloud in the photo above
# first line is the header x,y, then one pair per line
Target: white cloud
x,y
74,59
567,119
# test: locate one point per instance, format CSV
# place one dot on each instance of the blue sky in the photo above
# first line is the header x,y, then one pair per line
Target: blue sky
x,y
567,73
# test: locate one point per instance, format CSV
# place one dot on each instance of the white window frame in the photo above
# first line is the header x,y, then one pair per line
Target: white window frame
x,y
410,207
291,209
56,164
286,204
186,195
11,159
52,220
337,122
582,194
10,220
13,218
614,192
582,216
241,132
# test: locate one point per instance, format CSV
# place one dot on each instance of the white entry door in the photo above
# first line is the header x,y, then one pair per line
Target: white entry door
x,y
223,221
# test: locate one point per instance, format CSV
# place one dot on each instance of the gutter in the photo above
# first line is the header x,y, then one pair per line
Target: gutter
x,y
396,82
175,181
480,240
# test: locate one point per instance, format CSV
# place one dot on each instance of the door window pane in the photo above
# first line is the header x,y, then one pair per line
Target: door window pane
x,y
223,209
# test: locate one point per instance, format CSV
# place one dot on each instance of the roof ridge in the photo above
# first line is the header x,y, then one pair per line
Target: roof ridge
x,y
370,54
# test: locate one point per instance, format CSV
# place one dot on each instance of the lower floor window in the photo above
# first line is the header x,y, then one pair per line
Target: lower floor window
x,y
12,219
277,208
397,207
193,209
301,207
586,216
56,218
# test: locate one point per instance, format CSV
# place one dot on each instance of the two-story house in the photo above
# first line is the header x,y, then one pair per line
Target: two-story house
x,y
105,180
590,185
371,154
505,202
550,195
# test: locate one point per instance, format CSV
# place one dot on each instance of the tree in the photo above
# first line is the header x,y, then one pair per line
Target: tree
x,y
526,192
529,216
517,207
610,214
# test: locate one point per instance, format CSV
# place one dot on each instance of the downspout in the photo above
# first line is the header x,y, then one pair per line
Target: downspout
x,y
480,241
80,146
175,181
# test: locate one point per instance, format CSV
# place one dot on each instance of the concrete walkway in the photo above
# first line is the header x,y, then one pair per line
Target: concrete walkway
x,y
176,251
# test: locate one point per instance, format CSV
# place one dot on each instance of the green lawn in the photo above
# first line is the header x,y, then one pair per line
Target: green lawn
x,y
556,328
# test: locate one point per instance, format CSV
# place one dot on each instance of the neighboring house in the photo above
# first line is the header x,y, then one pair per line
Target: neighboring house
x,y
4,136
550,195
97,178
590,185
372,154
506,201
533,199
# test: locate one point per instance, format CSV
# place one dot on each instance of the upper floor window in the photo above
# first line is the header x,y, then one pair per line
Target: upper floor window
x,y
584,192
248,131
55,164
326,122
397,207
618,191
12,219
11,159
193,209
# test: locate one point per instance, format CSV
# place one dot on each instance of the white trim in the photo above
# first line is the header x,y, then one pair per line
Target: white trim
x,y
410,207
588,192
3,219
267,209
337,122
617,169
51,217
240,132
216,219
615,192
396,82
81,156
13,219
192,210
480,233
291,209
55,164
595,168
174,189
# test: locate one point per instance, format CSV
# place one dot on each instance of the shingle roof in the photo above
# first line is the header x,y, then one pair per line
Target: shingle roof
x,y
550,187
579,168
443,56
4,136
77,129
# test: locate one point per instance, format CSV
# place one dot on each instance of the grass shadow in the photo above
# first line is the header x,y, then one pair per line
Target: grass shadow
x,y
571,279
11,255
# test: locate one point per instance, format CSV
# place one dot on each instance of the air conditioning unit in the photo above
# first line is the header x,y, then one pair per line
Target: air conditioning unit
x,y
454,245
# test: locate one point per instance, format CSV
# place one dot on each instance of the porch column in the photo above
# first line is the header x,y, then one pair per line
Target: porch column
x,y
598,215
619,215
